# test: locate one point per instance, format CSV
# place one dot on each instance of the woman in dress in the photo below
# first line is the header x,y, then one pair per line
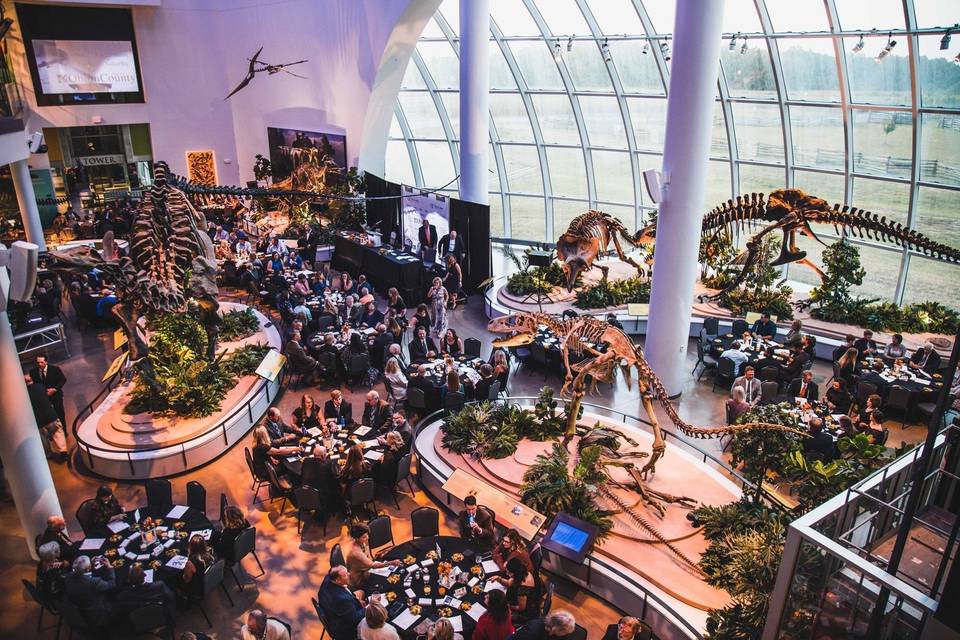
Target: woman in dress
x,y
51,571
263,451
355,468
397,381
523,592
453,280
495,622
199,559
438,297
233,523
847,365
306,415
359,558
451,344
511,546
501,368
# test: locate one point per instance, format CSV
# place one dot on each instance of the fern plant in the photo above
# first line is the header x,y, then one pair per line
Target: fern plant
x,y
238,324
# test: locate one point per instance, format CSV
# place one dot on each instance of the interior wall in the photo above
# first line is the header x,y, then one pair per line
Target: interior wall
x,y
193,52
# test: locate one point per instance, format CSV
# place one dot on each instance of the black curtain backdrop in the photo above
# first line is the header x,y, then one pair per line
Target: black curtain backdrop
x,y
471,220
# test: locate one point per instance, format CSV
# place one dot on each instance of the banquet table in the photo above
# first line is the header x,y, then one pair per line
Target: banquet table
x,y
754,350
384,267
416,595
337,446
166,556
917,382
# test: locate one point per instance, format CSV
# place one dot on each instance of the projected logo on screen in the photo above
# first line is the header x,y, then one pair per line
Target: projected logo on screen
x,y
86,66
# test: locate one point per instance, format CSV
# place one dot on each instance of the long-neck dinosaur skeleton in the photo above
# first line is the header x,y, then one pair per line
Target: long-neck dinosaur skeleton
x,y
791,211
171,259
588,236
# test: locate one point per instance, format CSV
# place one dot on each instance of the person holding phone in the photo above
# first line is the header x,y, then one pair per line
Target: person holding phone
x,y
476,524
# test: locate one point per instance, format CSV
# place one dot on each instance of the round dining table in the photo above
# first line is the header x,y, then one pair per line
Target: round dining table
x,y
337,445
439,577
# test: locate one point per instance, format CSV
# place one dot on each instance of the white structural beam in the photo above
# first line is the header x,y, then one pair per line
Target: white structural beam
x,y
27,201
693,81
474,99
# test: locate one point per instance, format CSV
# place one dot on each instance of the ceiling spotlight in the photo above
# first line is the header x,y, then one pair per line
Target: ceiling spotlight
x,y
945,40
857,48
743,47
733,41
605,50
665,50
891,43
569,44
557,52
646,48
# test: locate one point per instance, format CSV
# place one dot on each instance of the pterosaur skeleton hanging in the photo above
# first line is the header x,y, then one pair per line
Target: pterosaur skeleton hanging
x,y
256,66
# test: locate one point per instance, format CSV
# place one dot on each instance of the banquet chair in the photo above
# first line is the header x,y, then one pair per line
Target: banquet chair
x,y
712,326
739,326
771,374
416,400
359,364
836,373
703,358
363,492
381,532
85,516
864,390
44,603
726,373
75,620
326,322
308,499
149,619
538,354
454,401
579,633
768,391
494,392
320,616
159,493
471,348
245,544
336,556
547,598
212,579
403,473
197,496
327,364
280,487
898,398
536,557
286,625
425,522
258,482
926,411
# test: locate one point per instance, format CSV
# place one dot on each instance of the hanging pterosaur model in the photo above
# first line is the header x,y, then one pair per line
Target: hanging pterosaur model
x,y
256,66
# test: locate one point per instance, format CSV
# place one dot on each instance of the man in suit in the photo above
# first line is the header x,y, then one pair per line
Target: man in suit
x,y
422,347
378,350
328,345
804,387
767,361
139,592
428,241
394,352
318,472
88,592
300,361
342,608
49,425
375,412
431,393
838,398
476,525
873,377
336,410
764,327
926,359
798,358
280,432
51,376
350,311
819,442
751,386
399,423
56,531
452,243
866,345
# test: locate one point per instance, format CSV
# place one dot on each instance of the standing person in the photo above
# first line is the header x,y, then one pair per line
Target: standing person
x,y
453,281
452,244
438,300
495,623
427,235
51,377
49,425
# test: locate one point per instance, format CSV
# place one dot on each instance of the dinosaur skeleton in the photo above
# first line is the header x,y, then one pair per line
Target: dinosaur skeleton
x,y
171,259
791,211
588,236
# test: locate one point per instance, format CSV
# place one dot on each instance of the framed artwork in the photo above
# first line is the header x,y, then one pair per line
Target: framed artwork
x,y
289,148
201,167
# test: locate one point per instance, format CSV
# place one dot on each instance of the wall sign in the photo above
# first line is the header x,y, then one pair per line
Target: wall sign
x,y
101,160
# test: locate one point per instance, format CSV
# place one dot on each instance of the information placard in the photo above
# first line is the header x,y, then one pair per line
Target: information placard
x,y
271,365
115,366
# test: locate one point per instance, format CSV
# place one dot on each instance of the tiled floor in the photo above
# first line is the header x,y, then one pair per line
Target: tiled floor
x,y
294,568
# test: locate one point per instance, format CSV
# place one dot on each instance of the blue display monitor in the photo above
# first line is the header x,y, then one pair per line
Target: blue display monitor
x,y
570,537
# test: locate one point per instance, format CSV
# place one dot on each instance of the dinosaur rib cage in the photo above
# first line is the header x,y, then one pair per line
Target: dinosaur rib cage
x,y
734,215
575,331
592,224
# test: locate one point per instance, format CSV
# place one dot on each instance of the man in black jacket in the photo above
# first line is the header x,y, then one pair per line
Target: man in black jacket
x,y
798,358
926,359
88,592
375,412
337,410
422,347
51,429
476,525
51,377
452,243
427,234
873,377
139,592
342,609
804,387
318,472
819,442
56,531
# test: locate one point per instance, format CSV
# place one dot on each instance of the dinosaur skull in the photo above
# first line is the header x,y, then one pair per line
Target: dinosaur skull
x,y
80,259
572,268
519,329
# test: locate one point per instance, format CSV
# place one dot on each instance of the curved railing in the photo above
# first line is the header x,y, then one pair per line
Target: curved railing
x,y
706,457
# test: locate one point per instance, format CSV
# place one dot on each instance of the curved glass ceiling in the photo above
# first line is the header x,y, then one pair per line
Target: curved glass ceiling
x,y
800,103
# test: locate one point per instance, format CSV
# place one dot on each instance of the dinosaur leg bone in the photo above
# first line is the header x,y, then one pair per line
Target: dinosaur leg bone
x,y
659,446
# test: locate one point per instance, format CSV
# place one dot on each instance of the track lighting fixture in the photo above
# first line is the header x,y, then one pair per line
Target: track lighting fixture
x,y
605,50
891,43
665,50
557,52
569,44
733,41
743,47
857,48
945,40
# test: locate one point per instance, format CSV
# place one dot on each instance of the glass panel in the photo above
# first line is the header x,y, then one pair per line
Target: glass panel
x,y
883,272
450,9
760,179
874,81
586,67
412,78
568,175
522,165
421,115
496,214
536,64
882,142
436,164
870,14
513,18
718,134
638,70
500,75
493,178
759,132
935,13
939,76
395,131
801,273
822,185
932,280
648,117
528,218
798,15
740,16
451,102
442,63
888,199
938,215
748,74
510,116
938,148
603,120
661,14
817,137
718,184
556,119
432,30
397,166
809,67
617,16
564,211
613,176
563,17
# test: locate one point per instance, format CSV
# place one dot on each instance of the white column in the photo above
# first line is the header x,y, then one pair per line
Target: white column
x,y
28,203
24,461
693,84
474,99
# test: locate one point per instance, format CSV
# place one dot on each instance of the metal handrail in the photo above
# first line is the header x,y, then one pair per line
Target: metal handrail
x,y
670,613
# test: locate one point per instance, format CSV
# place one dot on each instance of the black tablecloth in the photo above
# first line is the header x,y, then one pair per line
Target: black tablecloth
x,y
192,520
343,440
417,551
383,270
754,352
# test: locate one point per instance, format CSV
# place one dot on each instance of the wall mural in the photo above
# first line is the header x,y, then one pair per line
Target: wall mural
x,y
201,167
291,148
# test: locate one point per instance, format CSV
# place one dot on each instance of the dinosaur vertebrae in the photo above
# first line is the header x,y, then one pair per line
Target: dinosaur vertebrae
x,y
594,224
734,215
575,331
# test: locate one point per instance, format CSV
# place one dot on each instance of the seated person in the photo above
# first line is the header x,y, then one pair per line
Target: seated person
x,y
300,361
264,450
301,286
371,316
476,525
838,398
613,322
329,344
375,412
804,387
874,426
233,523
511,546
106,509
819,442
400,425
736,405
350,311
847,366
421,318
200,557
51,571
750,385
280,432
307,413
364,288
87,588
260,627
275,264
795,364
866,345
764,327
523,591
336,410
451,344
628,628
56,531
320,472
809,345
374,624
481,390
794,333
422,347
895,349
735,355
355,468
397,380
848,343
360,560
139,593
395,353
556,624
301,310
874,376
926,359
768,360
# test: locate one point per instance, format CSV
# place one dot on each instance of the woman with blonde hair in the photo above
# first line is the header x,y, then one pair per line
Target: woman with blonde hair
x,y
199,559
396,379
374,624
438,299
847,365
263,450
442,629
501,368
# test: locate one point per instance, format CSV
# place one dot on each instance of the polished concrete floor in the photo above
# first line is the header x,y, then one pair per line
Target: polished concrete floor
x,y
294,568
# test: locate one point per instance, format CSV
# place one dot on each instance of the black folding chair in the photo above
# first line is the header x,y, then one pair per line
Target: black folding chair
x,y
44,604
898,398
159,493
245,544
471,348
579,633
212,579
308,499
712,326
416,399
359,364
322,618
739,326
454,401
548,598
770,374
336,556
381,532
425,522
363,492
703,358
85,516
403,473
149,619
768,391
197,496
258,482
726,373
280,487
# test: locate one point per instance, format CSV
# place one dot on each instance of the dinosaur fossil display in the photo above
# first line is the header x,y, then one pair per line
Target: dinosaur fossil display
x,y
791,211
587,237
171,260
